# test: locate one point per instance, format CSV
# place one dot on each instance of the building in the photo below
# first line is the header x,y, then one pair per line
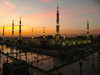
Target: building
x,y
16,68
49,37
98,36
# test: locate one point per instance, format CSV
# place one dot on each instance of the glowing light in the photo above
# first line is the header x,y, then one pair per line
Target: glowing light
x,y
79,42
84,41
74,42
63,44
32,33
64,36
44,33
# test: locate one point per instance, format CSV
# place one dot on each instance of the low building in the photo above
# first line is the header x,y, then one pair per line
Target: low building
x,y
16,68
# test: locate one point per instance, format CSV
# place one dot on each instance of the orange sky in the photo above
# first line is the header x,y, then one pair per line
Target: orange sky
x,y
73,17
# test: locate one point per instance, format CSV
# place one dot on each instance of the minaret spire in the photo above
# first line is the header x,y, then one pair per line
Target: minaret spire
x,y
87,29
44,33
20,29
32,33
13,29
3,33
64,36
57,7
57,26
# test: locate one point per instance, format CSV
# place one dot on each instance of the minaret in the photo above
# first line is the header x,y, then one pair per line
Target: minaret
x,y
13,29
44,33
32,33
87,30
53,36
3,33
64,36
57,26
20,29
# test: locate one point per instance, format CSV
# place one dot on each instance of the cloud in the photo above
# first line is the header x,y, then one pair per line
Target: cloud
x,y
6,6
47,27
95,31
43,1
68,9
26,8
39,16
89,9
67,14
84,19
7,9
81,10
14,25
85,10
40,10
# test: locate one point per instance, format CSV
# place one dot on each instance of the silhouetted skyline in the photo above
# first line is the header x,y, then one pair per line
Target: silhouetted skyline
x,y
39,13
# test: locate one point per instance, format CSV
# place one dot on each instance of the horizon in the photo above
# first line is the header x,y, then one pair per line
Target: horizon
x,y
40,13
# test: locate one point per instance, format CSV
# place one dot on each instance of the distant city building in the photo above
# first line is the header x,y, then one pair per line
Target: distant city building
x,y
91,37
40,37
49,37
81,37
61,37
16,68
98,37
53,36
57,26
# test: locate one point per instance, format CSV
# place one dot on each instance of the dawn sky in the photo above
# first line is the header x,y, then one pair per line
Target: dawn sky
x,y
42,13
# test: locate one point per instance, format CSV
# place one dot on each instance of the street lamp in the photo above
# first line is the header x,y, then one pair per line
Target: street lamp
x,y
0,52
32,68
80,63
60,72
26,55
7,57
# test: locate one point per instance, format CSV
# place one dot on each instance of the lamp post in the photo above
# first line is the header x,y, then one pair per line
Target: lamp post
x,y
26,56
0,56
0,52
80,63
54,60
19,54
92,60
54,63
7,57
16,55
2,49
0,59
31,68
60,72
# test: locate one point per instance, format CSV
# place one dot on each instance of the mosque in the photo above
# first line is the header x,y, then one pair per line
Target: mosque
x,y
55,42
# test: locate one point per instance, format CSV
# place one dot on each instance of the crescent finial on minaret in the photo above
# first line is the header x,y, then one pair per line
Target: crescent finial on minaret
x,y
87,21
57,7
12,21
20,17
